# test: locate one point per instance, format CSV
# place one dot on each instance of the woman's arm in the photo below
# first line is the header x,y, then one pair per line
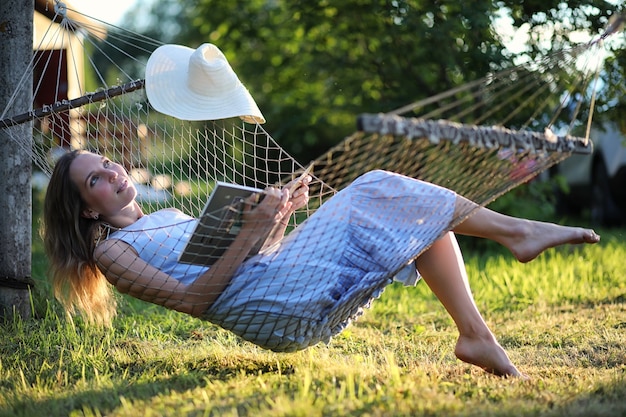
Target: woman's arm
x,y
130,274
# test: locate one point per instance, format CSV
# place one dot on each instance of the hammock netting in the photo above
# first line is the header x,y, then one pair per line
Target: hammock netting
x,y
357,232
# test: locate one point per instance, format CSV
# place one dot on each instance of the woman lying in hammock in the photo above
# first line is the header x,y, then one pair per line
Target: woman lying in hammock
x,y
300,291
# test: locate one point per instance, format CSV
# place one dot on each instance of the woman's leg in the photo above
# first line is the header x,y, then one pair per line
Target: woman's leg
x,y
442,268
526,239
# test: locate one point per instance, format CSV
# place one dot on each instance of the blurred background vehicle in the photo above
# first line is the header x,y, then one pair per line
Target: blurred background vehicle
x,y
595,184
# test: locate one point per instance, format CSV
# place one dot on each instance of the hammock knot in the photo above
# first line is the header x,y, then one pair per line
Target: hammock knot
x,y
61,9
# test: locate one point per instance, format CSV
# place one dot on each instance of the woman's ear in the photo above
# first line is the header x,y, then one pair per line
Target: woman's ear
x,y
90,214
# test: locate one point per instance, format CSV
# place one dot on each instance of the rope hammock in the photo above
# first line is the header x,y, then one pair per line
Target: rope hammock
x,y
458,140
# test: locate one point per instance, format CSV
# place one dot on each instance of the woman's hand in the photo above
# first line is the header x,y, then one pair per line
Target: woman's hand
x,y
269,218
259,218
299,192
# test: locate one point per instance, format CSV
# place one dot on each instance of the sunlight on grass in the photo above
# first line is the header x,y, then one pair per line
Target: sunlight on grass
x,y
562,318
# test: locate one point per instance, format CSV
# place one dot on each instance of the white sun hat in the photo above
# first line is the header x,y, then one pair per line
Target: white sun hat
x,y
197,85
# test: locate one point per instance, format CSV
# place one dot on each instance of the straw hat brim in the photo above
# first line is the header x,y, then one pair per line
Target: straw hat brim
x,y
168,89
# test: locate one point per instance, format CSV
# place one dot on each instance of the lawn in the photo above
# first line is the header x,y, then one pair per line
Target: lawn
x,y
562,318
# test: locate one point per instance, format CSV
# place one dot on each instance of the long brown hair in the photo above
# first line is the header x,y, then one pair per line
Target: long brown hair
x,y
70,240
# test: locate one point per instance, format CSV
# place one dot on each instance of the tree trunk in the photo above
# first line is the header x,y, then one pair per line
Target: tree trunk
x,y
16,38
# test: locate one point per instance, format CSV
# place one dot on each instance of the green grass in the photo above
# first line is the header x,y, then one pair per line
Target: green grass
x,y
562,318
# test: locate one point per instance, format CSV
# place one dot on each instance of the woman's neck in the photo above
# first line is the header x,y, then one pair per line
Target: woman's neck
x,y
126,217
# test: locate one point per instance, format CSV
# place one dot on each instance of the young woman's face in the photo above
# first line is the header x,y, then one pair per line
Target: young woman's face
x,y
103,184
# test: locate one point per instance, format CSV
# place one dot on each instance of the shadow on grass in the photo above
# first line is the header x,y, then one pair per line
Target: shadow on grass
x,y
104,400
132,396
604,400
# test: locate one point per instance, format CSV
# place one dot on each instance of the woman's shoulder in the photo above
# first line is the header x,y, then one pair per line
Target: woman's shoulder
x,y
168,216
161,217
156,220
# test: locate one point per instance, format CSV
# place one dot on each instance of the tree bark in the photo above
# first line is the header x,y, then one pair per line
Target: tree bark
x,y
16,38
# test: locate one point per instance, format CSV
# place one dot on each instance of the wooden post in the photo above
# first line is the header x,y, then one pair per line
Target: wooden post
x,y
16,38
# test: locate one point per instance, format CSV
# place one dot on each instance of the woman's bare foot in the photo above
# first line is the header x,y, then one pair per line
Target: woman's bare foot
x,y
487,354
533,237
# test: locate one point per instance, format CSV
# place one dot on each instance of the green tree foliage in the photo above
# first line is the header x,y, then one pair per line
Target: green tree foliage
x,y
313,65
554,23
612,97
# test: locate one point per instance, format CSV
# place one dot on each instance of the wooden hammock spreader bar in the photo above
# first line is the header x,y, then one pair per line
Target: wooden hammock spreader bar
x,y
491,137
66,105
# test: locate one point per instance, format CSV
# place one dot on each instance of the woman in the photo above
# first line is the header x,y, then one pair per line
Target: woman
x,y
301,290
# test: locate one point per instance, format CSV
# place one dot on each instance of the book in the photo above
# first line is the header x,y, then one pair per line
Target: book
x,y
218,225
220,222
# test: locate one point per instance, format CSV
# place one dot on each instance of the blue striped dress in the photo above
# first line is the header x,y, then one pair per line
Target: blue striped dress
x,y
318,279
